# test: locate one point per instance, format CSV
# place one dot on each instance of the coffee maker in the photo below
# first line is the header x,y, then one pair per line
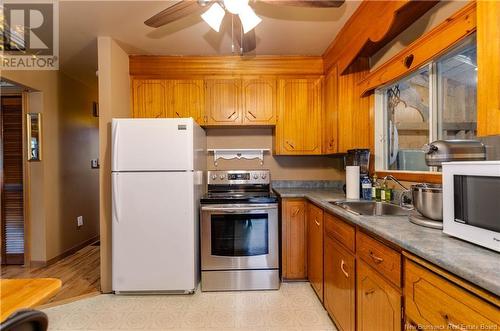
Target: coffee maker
x,y
358,157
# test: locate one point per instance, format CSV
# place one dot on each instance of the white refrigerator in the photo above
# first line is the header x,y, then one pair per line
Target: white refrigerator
x,y
158,176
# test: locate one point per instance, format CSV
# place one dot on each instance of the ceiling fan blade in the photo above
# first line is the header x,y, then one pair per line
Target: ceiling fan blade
x,y
306,3
246,41
173,13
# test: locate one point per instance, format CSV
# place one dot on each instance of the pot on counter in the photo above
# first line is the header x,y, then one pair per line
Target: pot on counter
x,y
428,200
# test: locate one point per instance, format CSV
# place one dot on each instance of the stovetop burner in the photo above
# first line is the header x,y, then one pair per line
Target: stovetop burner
x,y
239,187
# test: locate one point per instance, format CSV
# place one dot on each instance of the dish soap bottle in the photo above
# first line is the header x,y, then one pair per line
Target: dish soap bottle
x,y
366,188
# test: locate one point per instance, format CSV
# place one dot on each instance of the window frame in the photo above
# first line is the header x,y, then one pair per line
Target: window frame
x,y
435,98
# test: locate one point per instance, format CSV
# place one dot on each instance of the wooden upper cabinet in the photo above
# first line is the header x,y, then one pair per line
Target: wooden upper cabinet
x,y
149,98
330,112
223,101
488,68
294,238
315,248
259,101
340,284
353,119
298,128
378,302
187,99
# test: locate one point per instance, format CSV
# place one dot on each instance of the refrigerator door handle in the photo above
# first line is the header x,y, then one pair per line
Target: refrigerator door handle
x,y
114,146
115,199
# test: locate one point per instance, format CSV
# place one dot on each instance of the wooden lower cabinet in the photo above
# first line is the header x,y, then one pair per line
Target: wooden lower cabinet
x,y
339,284
378,302
294,239
434,303
315,248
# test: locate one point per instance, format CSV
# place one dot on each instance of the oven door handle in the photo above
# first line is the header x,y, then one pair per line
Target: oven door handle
x,y
233,210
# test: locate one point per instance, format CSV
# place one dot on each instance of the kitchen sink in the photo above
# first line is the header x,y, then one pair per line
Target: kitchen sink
x,y
372,208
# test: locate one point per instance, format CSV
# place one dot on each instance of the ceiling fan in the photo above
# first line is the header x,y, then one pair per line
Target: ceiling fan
x,y
244,19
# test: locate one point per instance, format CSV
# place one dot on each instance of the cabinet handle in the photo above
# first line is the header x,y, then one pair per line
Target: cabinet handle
x,y
231,115
370,291
290,145
342,264
205,118
176,113
252,114
375,258
316,221
295,212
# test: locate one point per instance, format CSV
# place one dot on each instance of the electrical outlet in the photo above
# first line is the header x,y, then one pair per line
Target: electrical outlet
x,y
79,221
94,163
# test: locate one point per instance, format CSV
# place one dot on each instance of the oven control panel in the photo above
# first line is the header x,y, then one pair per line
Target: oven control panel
x,y
225,177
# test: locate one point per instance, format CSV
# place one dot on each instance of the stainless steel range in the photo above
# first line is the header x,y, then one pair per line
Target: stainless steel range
x,y
239,232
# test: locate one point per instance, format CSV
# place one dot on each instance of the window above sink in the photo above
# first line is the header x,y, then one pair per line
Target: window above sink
x,y
438,101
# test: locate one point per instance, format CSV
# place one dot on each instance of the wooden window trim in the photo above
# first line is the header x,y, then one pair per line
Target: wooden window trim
x,y
413,176
426,48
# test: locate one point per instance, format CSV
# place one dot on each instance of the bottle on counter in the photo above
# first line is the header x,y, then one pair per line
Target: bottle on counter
x,y
366,188
385,193
374,187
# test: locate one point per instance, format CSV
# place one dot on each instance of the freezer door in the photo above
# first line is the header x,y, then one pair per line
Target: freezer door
x,y
152,144
154,232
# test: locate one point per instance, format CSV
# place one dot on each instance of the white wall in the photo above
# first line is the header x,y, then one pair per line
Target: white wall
x,y
114,102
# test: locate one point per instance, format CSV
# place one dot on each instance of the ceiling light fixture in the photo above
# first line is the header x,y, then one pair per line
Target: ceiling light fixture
x,y
213,16
248,18
235,6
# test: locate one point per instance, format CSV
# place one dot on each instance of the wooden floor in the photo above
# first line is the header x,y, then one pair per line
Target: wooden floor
x,y
79,273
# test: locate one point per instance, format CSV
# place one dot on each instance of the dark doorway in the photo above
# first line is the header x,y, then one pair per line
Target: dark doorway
x,y
12,195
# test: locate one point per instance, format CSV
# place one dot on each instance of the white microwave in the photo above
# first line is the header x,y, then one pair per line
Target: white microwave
x,y
471,202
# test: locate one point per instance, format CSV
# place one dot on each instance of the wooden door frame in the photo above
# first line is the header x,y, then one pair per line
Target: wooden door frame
x,y
26,190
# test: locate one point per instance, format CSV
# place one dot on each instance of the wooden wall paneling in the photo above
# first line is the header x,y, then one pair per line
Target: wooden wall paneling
x,y
488,68
298,129
149,98
223,101
430,46
259,101
353,110
330,112
186,98
184,66
363,34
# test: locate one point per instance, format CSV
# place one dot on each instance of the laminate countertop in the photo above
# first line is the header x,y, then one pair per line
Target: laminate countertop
x,y
479,266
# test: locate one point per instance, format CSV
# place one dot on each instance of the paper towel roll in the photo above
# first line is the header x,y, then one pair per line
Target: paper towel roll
x,y
352,182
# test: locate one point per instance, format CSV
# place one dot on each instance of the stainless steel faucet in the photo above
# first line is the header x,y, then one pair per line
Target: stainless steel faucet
x,y
403,194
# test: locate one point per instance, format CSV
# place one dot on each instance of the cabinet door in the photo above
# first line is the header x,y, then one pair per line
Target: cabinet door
x,y
340,284
299,121
378,304
488,68
315,248
353,111
294,249
441,305
259,101
187,99
330,113
223,101
149,98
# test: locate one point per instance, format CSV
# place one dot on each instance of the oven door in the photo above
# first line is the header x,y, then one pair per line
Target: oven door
x,y
239,237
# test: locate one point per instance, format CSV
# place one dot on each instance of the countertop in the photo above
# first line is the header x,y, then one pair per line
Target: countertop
x,y
478,265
